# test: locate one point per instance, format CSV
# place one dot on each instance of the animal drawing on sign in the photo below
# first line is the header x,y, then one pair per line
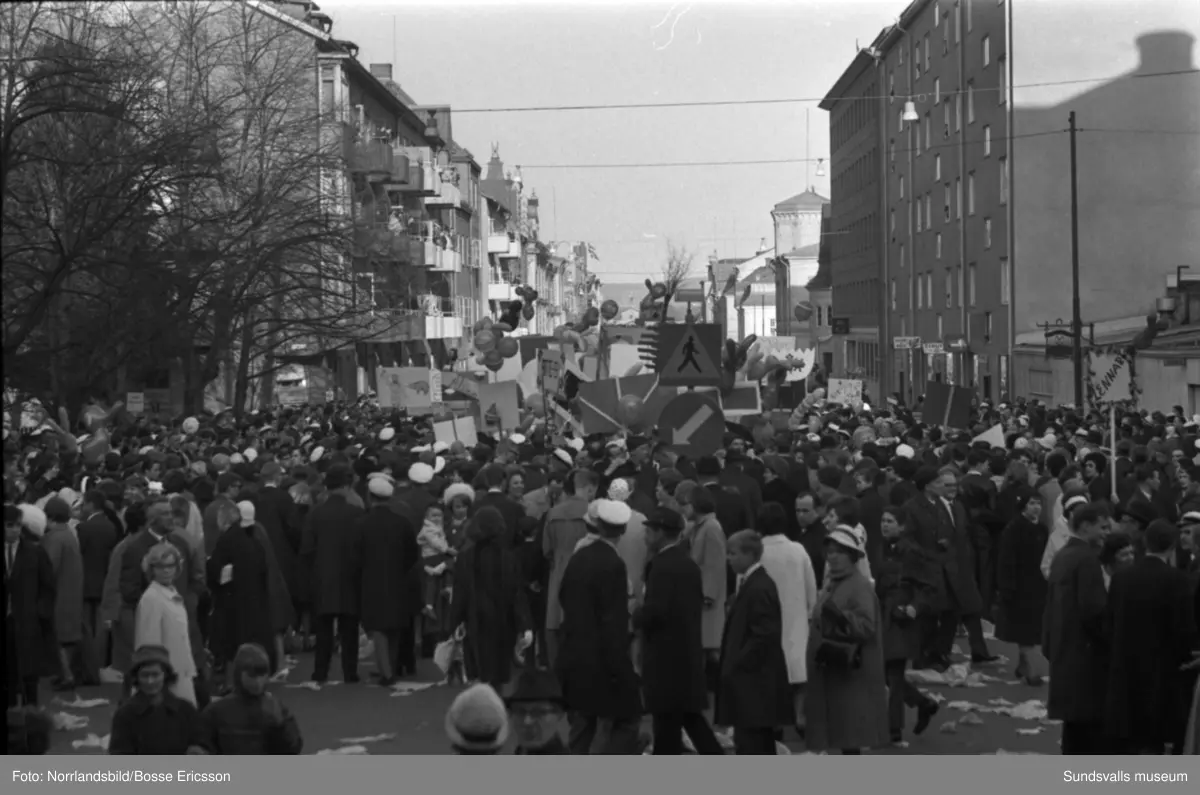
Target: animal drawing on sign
x,y
420,387
689,355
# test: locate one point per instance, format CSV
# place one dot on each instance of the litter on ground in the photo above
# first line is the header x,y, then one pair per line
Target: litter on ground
x,y
82,703
65,721
91,741
374,738
348,750
408,688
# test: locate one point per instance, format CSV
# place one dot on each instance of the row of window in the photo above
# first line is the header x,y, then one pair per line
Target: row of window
x,y
851,179
924,204
856,114
952,282
859,297
856,237
862,359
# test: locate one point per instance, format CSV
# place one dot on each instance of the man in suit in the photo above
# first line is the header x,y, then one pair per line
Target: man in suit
x,y
673,667
1151,625
594,664
1145,501
330,548
1073,635
753,693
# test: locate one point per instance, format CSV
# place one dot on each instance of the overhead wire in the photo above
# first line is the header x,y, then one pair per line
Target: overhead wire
x,y
804,100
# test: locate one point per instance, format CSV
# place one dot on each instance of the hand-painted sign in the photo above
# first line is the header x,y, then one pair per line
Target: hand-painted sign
x,y
1111,383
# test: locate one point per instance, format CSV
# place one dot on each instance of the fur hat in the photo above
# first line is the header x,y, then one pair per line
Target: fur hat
x,y
458,490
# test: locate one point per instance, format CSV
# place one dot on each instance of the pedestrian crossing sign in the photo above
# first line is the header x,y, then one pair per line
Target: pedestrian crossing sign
x,y
689,354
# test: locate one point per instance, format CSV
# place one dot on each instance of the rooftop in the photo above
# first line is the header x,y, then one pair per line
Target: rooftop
x,y
808,200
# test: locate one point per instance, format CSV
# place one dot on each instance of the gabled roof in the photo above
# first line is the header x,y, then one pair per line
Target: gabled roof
x,y
808,200
805,252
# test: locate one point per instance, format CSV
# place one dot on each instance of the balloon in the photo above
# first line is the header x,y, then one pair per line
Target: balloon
x,y
482,324
480,357
494,366
659,290
95,448
493,357
610,309
502,327
803,311
536,404
592,316
629,409
508,347
528,312
485,341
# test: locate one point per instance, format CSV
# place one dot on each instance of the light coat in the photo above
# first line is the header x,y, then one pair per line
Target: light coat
x,y
707,545
564,529
790,567
162,620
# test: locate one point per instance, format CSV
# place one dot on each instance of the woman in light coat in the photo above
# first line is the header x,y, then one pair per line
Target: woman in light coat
x,y
845,704
707,546
791,568
162,618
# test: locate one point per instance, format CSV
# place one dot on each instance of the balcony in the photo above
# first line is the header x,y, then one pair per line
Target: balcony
x,y
502,286
497,243
372,159
442,321
395,325
449,261
450,196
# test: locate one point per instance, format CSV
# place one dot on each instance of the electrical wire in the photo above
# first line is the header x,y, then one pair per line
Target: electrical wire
x,y
775,162
803,100
1137,132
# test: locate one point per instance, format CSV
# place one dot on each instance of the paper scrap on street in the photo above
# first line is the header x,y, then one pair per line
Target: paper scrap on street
x,y
92,741
349,750
949,727
111,676
374,738
959,675
65,721
310,685
1031,732
408,688
82,703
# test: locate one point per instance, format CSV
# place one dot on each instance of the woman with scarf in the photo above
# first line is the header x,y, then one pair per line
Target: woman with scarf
x,y
489,600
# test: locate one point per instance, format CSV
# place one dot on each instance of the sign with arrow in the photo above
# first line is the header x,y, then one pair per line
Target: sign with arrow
x,y
692,424
689,354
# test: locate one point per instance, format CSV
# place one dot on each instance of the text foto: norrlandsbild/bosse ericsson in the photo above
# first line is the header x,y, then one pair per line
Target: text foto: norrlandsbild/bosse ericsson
x,y
121,777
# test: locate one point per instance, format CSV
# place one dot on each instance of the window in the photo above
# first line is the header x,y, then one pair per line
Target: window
x,y
927,51
971,284
946,119
945,34
949,288
892,150
901,51
929,289
918,214
920,293
893,295
987,232
1005,281
987,325
937,245
987,51
900,121
971,193
940,330
958,197
958,296
928,138
969,15
901,186
1004,180
901,255
957,20
891,86
946,203
987,140
928,212
917,60
1002,68
892,222
937,90
970,102
937,167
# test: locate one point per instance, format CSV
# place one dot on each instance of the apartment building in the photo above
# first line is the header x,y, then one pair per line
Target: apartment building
x,y
957,234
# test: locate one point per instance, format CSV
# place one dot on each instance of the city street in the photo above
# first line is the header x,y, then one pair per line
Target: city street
x,y
385,723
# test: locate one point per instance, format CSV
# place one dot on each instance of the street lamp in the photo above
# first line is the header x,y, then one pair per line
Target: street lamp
x,y
820,166
910,111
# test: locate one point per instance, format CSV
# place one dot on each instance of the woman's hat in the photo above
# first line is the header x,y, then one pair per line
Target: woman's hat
x,y
536,686
852,538
458,490
420,473
246,509
151,654
477,720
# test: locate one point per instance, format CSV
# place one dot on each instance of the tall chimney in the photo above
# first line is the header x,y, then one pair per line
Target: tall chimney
x,y
382,71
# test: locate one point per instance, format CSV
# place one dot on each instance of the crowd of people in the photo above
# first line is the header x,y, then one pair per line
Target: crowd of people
x,y
789,581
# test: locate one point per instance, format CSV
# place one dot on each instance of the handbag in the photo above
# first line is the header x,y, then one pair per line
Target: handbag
x,y
839,655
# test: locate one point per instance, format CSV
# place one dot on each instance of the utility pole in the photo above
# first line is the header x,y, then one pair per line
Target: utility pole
x,y
1076,314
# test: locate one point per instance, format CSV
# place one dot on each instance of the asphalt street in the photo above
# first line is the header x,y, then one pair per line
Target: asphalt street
x,y
985,712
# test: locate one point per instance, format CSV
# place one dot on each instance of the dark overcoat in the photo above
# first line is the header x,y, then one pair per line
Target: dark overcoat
x,y
672,646
1019,580
280,518
389,554
30,586
905,576
330,550
753,691
1073,634
928,524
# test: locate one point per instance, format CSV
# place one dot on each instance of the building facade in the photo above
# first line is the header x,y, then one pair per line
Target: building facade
x,y
972,191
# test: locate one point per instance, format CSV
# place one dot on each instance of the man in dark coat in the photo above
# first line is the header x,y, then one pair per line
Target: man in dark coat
x,y
594,663
870,507
809,511
29,648
389,553
97,538
1073,635
330,549
753,693
733,509
277,513
229,486
494,477
673,670
1152,626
